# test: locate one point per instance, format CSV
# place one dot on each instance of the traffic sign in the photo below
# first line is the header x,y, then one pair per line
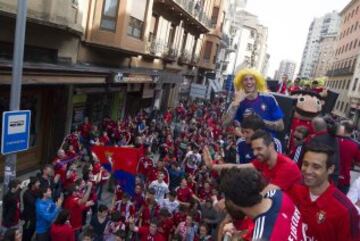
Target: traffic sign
x,y
15,131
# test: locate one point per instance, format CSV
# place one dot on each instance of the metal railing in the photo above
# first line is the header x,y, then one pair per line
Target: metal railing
x,y
339,72
171,53
195,59
185,57
195,9
156,47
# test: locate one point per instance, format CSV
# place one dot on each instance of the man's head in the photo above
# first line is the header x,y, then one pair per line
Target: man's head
x,y
103,210
249,83
88,235
61,153
319,124
160,177
248,182
172,195
300,133
284,78
48,170
34,183
14,185
153,226
150,195
346,128
249,125
45,192
262,145
317,164
183,183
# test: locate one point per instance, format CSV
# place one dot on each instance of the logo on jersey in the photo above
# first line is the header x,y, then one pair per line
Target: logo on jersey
x,y
263,107
320,216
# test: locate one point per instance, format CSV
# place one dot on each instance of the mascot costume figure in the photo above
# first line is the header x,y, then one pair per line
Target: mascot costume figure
x,y
308,105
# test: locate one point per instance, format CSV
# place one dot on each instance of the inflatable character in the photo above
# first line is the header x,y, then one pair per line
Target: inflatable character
x,y
308,105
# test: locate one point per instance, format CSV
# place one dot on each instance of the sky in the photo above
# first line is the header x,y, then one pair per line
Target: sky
x,y
288,22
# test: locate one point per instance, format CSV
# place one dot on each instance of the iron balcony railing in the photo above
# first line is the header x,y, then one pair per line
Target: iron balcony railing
x,y
195,9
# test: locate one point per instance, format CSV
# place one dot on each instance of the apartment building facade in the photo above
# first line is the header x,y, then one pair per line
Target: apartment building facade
x,y
319,27
104,58
341,74
326,54
249,40
286,67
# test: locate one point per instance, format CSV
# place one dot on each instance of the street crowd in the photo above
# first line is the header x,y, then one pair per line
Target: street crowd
x,y
208,171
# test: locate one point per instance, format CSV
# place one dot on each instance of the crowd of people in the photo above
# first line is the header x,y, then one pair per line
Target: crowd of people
x,y
207,171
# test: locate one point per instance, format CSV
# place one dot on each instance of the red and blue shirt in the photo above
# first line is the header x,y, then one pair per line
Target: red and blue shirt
x,y
282,222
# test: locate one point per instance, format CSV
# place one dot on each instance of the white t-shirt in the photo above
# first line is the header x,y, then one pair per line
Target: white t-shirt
x,y
161,189
193,158
354,193
169,205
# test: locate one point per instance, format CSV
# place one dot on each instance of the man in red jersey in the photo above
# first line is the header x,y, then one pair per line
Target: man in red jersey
x,y
279,171
328,215
275,216
147,233
184,194
76,205
349,153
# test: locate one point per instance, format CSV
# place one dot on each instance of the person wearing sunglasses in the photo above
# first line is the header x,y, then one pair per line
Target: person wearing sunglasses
x,y
300,134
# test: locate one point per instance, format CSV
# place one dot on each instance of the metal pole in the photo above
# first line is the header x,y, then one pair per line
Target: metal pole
x,y
17,70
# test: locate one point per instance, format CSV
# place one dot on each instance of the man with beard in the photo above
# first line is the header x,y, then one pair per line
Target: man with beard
x,y
279,171
249,125
275,216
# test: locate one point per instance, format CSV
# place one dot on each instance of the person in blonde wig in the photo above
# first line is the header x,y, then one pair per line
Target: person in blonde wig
x,y
252,97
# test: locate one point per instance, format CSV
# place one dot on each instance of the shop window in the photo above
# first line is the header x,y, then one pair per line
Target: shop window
x,y
109,15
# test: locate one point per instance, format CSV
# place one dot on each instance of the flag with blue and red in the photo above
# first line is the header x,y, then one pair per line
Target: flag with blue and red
x,y
121,162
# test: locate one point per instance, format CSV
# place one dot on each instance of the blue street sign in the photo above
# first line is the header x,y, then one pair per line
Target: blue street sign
x,y
15,131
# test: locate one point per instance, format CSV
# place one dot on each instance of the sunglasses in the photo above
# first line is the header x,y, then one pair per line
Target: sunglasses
x,y
297,138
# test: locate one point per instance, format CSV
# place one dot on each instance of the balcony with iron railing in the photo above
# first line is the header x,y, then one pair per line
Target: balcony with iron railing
x,y
185,57
340,72
171,54
156,47
195,60
196,10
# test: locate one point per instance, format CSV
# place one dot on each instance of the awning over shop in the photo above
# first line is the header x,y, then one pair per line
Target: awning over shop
x,y
54,79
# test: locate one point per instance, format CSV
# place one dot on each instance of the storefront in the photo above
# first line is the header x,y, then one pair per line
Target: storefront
x,y
46,91
48,112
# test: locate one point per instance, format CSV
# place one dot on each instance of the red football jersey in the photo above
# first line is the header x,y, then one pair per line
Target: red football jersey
x,y
331,217
146,236
282,222
284,174
184,194
349,152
